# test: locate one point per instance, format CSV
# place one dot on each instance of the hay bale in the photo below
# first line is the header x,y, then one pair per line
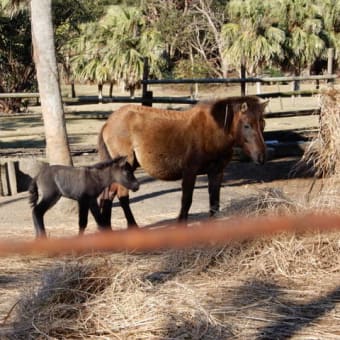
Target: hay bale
x,y
323,154
322,157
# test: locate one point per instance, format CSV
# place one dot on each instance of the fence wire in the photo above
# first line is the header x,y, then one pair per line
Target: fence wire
x,y
212,233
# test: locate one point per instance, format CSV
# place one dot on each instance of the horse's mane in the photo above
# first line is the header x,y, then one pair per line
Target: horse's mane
x,y
160,112
222,110
105,164
251,100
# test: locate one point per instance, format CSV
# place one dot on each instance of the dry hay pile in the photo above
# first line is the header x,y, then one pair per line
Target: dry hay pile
x,y
323,154
322,157
262,289
267,201
278,288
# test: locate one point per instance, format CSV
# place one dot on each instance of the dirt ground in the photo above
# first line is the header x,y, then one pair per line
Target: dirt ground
x,y
156,202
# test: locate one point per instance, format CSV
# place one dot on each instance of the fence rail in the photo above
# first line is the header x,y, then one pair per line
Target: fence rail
x,y
147,97
238,80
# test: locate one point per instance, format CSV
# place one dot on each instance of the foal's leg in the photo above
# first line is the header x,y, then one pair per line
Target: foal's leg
x,y
188,184
123,195
38,213
98,216
105,204
83,212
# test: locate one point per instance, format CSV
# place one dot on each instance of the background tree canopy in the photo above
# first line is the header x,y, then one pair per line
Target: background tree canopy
x,y
106,42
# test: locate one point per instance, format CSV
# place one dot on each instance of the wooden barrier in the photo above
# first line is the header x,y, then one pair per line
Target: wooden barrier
x,y
147,97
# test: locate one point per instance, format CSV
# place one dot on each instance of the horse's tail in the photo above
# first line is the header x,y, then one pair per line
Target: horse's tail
x,y
103,152
33,193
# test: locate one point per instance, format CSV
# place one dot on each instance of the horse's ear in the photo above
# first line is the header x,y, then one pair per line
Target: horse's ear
x,y
244,107
228,117
264,104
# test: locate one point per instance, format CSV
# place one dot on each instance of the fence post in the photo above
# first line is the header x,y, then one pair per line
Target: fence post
x,y
4,183
146,95
12,178
258,87
330,63
243,76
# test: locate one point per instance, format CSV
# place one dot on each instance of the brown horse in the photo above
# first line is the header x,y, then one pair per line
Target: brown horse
x,y
172,145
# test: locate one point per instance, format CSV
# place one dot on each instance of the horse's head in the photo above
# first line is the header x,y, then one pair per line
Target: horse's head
x,y
122,173
247,128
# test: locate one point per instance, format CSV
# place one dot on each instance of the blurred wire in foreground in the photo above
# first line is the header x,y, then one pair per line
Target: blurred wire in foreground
x,y
212,233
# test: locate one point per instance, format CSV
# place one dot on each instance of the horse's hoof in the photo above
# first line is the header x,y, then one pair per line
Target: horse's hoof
x,y
105,229
133,226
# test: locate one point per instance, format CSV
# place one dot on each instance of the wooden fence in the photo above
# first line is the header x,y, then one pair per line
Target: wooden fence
x,y
148,99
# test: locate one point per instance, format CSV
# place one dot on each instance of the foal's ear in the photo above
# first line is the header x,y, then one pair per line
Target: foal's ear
x,y
122,161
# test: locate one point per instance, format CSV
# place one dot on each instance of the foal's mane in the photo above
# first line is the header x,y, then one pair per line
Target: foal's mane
x,y
104,164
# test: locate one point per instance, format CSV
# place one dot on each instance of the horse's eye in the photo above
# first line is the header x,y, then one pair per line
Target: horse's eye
x,y
246,126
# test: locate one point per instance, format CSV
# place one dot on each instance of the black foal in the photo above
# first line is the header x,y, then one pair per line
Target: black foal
x,y
82,184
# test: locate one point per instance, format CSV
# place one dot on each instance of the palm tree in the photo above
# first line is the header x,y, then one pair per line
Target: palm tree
x,y
330,13
304,42
57,147
251,36
114,49
129,40
87,63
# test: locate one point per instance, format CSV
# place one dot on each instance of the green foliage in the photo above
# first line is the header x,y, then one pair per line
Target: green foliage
x,y
185,68
273,72
109,40
115,47
304,33
252,36
16,66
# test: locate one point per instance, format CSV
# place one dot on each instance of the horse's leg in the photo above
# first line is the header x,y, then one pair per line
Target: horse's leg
x,y
188,184
215,179
83,212
123,196
98,216
38,213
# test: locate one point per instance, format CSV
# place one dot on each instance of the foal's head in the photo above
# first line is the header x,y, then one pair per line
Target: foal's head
x,y
122,172
247,128
119,171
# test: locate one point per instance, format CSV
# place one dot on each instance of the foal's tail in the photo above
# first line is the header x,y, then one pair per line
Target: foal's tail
x,y
33,193
102,149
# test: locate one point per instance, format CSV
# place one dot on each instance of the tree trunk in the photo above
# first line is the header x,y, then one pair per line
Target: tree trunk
x,y
111,89
243,75
100,92
73,89
57,147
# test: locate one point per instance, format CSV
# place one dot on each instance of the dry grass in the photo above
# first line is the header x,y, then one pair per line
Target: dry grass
x,y
278,288
266,201
323,154
322,157
267,288
286,287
